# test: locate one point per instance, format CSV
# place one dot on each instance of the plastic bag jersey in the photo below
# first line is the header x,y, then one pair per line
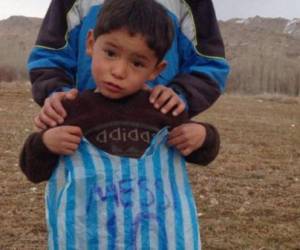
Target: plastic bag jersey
x,y
95,200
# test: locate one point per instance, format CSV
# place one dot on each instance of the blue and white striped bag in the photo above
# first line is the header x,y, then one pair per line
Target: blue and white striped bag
x,y
95,200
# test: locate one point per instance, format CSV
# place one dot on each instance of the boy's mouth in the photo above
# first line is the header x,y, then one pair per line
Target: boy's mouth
x,y
112,87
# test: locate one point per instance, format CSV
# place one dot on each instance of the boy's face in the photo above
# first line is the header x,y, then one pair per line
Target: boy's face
x,y
121,63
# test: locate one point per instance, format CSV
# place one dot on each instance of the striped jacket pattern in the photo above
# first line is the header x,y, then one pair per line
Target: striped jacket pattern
x,y
197,68
95,200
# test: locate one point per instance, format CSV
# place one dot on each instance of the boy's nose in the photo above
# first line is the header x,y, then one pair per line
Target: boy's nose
x,y
119,69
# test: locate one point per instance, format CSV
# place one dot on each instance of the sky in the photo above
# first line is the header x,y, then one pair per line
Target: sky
x,y
225,9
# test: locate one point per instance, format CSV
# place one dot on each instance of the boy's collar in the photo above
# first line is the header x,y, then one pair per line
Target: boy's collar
x,y
125,98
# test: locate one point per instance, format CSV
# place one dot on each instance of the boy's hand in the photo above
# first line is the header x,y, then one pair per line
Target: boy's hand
x,y
63,140
53,112
165,99
187,137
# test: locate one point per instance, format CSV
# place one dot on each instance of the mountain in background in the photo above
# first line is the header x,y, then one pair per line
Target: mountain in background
x,y
264,53
17,36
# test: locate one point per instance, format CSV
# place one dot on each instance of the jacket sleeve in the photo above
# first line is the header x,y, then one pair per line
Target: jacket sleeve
x,y
52,62
209,149
36,161
203,67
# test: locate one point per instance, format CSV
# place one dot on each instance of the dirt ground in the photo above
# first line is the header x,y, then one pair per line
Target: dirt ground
x,y
249,198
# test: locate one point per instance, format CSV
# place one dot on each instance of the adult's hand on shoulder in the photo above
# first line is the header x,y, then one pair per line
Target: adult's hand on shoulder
x,y
166,100
53,112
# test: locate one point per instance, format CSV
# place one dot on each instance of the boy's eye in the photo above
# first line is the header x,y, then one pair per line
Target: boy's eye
x,y
110,53
138,64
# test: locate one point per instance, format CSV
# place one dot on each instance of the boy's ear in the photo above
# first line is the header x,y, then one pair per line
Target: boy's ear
x,y
90,40
158,68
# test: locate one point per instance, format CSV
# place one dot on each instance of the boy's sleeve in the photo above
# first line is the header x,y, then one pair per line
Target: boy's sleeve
x,y
203,67
209,149
36,161
52,62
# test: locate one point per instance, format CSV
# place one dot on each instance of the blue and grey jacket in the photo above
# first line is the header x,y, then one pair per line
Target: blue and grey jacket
x,y
197,68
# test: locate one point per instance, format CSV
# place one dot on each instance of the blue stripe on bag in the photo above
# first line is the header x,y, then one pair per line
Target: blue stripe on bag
x,y
111,224
127,203
192,208
51,202
160,203
176,202
70,207
92,208
144,222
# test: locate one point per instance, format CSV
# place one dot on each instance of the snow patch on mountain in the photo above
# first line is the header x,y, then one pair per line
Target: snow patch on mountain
x,y
293,27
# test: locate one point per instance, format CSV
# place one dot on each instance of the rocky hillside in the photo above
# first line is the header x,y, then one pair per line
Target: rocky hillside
x,y
264,52
17,36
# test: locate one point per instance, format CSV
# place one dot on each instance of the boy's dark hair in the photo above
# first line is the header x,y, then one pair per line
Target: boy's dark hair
x,y
145,17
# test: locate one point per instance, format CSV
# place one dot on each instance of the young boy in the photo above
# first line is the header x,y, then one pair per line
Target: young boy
x,y
196,70
123,187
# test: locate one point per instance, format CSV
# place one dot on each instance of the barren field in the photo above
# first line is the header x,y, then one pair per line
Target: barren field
x,y
249,198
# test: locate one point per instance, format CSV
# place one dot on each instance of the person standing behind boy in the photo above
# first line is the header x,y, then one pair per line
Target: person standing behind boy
x,y
196,70
124,188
